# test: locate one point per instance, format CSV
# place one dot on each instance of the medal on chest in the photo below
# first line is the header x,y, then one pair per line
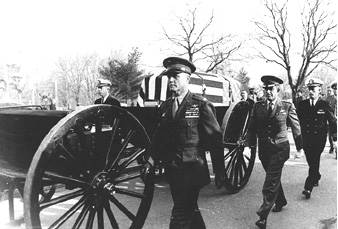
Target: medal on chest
x,y
192,111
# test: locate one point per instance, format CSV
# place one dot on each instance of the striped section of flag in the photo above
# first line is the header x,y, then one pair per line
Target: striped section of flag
x,y
220,90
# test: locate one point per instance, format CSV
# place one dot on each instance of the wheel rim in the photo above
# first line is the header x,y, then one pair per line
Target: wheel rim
x,y
238,167
94,157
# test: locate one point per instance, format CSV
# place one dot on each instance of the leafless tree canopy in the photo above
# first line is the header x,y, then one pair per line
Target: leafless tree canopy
x,y
196,42
317,33
77,78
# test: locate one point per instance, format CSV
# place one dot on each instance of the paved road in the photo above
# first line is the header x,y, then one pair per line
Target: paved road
x,y
222,210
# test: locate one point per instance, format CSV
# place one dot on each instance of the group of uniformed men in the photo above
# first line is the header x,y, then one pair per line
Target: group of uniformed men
x,y
188,128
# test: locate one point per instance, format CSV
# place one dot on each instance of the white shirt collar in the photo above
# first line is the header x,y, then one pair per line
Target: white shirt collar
x,y
104,98
314,101
181,96
273,102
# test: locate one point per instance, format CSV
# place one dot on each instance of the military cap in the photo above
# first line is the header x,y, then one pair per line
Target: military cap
x,y
270,81
334,86
103,82
313,82
177,64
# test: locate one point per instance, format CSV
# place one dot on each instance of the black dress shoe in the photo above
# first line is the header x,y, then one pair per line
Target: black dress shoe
x,y
277,208
307,193
261,223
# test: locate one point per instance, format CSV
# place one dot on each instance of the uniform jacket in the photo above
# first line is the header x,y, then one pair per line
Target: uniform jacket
x,y
185,138
315,120
332,99
110,100
272,131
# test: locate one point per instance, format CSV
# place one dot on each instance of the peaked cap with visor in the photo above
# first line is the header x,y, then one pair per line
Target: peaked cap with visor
x,y
178,65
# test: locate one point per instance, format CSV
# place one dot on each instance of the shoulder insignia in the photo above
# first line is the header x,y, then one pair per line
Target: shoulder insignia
x,y
199,97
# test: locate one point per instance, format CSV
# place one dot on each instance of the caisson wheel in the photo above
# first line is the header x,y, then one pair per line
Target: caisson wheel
x,y
86,173
238,167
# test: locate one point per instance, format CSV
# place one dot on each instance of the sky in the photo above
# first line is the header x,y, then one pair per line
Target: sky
x,y
36,33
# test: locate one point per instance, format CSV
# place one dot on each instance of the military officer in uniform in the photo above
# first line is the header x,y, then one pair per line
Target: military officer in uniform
x,y
103,87
188,128
315,115
268,122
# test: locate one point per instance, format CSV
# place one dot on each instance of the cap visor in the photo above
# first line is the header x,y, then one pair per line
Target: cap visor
x,y
171,71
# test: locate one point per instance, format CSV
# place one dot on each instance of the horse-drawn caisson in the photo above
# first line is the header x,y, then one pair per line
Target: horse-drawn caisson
x,y
85,165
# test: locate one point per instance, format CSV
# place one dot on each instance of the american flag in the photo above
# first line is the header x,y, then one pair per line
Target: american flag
x,y
218,89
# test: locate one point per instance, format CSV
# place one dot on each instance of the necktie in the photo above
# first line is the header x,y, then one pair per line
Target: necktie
x,y
312,104
175,106
270,108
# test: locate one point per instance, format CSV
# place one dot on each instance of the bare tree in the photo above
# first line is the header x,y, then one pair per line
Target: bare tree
x,y
196,41
76,78
317,38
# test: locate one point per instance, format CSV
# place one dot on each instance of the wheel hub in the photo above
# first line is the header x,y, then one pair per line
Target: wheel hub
x,y
240,142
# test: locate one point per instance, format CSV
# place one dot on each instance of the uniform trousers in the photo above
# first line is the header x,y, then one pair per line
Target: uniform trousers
x,y
272,189
185,212
312,155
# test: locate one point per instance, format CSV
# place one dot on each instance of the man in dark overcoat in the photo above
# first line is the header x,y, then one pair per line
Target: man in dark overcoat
x,y
332,99
315,115
103,87
268,123
188,128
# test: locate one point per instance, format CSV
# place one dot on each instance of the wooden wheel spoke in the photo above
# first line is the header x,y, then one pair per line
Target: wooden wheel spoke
x,y
57,178
229,169
239,170
231,166
129,160
237,178
233,169
111,145
100,219
61,199
69,213
82,215
229,144
123,209
90,221
248,158
229,154
243,129
244,165
129,193
111,216
123,147
129,176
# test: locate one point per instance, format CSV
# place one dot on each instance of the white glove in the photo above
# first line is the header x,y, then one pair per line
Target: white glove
x,y
247,152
